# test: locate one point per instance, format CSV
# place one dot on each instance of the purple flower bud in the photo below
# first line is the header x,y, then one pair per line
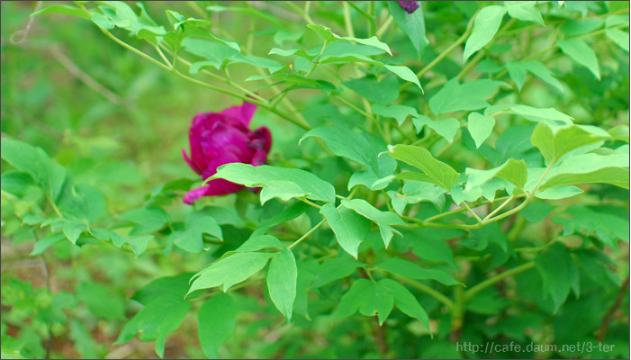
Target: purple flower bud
x,y
409,6
222,138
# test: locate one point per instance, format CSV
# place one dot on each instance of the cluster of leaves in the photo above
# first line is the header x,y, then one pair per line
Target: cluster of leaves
x,y
424,190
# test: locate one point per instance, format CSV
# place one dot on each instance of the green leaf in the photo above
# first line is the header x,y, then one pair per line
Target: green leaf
x,y
148,220
271,65
275,181
153,323
608,227
560,192
480,126
43,244
555,141
438,172
49,175
413,25
384,219
383,92
367,297
580,52
176,285
138,243
230,270
328,36
413,271
555,268
405,300
249,12
471,95
517,72
513,142
191,238
281,281
524,10
485,26
335,269
62,9
349,227
414,192
260,242
537,211
8,353
73,230
216,54
530,113
364,148
447,128
589,168
100,301
619,37
513,171
397,112
431,245
216,323
124,17
405,73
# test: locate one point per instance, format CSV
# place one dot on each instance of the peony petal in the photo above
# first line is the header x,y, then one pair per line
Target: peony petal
x,y
409,6
265,135
190,163
243,112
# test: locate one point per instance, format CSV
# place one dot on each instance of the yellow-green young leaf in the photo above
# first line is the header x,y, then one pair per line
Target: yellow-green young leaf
x,y
480,127
437,172
230,270
398,112
413,271
216,323
590,168
447,128
406,74
619,37
281,281
274,181
620,132
554,141
349,227
485,26
63,9
260,242
524,10
328,36
580,52
516,172
384,219
530,113
560,192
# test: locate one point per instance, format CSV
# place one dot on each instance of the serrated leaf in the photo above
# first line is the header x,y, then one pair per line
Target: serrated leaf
x,y
485,26
230,270
480,126
216,323
383,219
349,227
273,178
281,281
438,172
580,52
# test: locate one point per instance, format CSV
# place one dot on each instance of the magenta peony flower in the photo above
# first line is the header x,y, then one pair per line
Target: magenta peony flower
x,y
409,6
221,138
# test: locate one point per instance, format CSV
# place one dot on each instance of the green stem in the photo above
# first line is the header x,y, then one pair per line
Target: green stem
x,y
497,278
384,26
306,235
426,289
348,23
